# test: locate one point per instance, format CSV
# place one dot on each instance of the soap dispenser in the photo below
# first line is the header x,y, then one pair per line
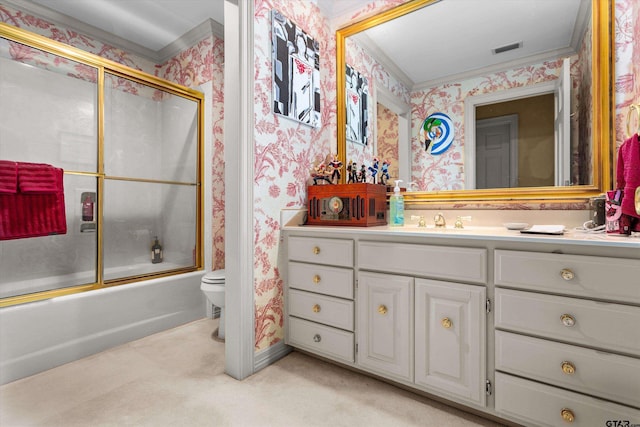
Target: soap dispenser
x,y
396,206
156,252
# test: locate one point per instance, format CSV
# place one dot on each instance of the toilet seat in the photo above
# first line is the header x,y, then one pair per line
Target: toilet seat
x,y
214,277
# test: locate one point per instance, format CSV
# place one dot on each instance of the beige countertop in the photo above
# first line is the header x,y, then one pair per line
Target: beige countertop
x,y
571,236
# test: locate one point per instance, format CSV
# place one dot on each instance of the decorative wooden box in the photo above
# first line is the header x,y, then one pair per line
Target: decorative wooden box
x,y
359,205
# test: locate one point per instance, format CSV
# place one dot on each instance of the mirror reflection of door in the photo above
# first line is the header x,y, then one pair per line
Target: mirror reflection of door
x,y
533,163
497,152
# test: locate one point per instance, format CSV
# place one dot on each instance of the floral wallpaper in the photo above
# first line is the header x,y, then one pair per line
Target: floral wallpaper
x,y
286,151
627,90
387,140
21,19
377,76
581,153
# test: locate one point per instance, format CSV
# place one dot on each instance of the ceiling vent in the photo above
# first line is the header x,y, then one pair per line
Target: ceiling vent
x,y
506,48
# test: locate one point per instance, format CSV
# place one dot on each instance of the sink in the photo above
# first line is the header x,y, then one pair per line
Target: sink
x,y
468,229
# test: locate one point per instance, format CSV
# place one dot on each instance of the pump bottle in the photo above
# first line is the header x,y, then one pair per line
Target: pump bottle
x,y
396,206
156,252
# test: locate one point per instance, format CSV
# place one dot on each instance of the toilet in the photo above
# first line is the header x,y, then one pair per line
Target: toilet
x,y
212,284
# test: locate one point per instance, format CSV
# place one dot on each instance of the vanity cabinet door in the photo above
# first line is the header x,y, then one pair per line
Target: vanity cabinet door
x,y
450,338
385,324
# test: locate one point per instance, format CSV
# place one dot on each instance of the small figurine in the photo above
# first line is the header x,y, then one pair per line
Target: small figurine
x,y
354,172
384,173
362,175
374,169
350,175
320,173
336,165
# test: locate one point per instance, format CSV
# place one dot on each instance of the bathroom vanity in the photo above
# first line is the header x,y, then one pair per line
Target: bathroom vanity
x,y
533,329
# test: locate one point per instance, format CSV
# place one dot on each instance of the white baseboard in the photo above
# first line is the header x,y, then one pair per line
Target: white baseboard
x,y
270,355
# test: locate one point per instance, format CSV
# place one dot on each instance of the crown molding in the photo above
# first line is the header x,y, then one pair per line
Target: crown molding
x,y
387,63
205,29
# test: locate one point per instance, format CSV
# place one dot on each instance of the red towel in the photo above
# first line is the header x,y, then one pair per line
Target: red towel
x,y
32,214
8,176
38,178
628,173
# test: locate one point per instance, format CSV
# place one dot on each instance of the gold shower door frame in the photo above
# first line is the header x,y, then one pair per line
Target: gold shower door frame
x,y
103,66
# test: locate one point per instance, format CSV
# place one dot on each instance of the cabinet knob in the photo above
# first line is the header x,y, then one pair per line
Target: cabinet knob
x,y
316,279
382,309
568,320
568,368
316,308
567,415
446,323
567,274
316,250
317,338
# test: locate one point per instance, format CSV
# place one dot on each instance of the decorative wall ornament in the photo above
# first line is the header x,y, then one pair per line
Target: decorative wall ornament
x,y
296,72
436,133
357,92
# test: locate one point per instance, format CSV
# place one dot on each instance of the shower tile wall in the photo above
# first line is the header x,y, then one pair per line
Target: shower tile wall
x,y
49,117
150,135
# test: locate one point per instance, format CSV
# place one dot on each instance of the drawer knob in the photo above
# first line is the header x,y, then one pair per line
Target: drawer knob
x,y
317,338
567,274
382,309
316,279
567,415
568,368
316,250
316,308
568,320
446,323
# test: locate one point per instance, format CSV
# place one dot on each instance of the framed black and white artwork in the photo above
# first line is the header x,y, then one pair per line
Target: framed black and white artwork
x,y
357,93
296,72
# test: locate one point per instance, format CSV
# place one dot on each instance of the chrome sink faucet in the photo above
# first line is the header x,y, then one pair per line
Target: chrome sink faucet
x,y
439,220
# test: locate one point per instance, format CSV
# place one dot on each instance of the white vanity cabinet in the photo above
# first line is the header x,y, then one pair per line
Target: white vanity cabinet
x,y
565,321
319,296
450,338
446,353
539,331
385,324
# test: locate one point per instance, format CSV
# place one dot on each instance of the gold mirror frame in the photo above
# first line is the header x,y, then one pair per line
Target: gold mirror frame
x,y
602,126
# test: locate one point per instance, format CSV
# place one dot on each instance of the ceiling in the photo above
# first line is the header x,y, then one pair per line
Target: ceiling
x,y
153,24
153,29
419,47
453,38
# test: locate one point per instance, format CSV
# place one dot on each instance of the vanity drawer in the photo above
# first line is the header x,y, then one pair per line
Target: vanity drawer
x,y
604,325
601,374
321,339
542,405
438,262
319,308
338,252
333,281
578,275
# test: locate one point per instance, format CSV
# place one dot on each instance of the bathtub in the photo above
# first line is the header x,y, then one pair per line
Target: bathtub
x,y
22,287
41,335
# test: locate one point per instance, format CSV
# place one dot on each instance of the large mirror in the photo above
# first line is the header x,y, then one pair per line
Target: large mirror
x,y
531,77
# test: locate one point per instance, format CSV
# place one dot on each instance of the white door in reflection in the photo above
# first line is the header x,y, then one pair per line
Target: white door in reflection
x,y
497,152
